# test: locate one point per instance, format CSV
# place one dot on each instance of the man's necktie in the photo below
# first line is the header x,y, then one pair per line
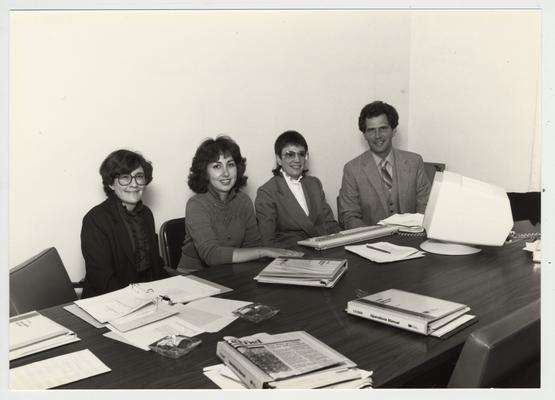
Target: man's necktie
x,y
386,176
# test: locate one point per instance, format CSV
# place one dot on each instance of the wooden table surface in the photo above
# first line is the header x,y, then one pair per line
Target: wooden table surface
x,y
493,282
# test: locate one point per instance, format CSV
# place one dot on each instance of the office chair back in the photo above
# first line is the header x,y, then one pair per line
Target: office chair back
x,y
430,168
525,206
40,282
172,235
501,351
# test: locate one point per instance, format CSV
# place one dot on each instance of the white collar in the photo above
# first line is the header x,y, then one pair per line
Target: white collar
x,y
289,178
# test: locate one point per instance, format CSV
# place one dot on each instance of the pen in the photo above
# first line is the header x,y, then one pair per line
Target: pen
x,y
378,249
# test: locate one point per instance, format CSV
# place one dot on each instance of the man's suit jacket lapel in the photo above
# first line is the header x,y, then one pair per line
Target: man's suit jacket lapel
x,y
295,210
402,171
371,171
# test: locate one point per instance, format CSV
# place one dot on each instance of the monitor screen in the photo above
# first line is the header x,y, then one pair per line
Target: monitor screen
x,y
463,211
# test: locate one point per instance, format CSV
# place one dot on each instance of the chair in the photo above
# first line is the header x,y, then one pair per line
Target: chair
x,y
505,353
431,168
525,206
40,282
172,235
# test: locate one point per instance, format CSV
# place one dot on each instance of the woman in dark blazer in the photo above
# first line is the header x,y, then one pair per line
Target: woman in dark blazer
x,y
118,237
292,206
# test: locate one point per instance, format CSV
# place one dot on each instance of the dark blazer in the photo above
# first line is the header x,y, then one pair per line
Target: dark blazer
x,y
282,221
107,249
362,198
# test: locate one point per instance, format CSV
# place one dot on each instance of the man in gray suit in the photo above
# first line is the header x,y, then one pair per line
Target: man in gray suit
x,y
382,181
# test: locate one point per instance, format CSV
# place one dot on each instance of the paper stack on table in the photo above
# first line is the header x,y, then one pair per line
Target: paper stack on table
x,y
225,378
127,301
383,252
303,271
291,360
204,315
414,312
142,313
33,332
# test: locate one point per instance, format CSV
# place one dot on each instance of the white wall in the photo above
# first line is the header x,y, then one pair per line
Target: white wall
x,y
474,88
85,83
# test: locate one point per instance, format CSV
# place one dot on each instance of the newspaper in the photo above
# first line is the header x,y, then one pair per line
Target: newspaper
x,y
283,355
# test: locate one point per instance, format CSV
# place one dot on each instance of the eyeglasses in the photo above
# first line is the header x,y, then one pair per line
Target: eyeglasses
x,y
291,155
126,179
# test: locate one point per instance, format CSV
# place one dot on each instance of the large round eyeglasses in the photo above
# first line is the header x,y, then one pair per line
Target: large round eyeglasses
x,y
126,179
291,155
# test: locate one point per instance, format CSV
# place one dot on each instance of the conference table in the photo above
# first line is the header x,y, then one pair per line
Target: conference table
x,y
493,282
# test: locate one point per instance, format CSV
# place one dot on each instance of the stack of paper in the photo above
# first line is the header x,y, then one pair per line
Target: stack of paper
x,y
411,223
292,360
383,252
414,312
143,313
205,315
129,303
225,378
303,271
33,332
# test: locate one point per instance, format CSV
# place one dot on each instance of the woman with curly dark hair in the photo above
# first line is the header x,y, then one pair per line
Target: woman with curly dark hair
x,y
118,238
220,224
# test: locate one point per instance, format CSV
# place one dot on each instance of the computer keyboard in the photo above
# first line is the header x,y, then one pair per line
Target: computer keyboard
x,y
349,236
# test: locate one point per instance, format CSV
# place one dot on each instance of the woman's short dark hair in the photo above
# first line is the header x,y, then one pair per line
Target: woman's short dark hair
x,y
288,138
375,109
122,162
210,151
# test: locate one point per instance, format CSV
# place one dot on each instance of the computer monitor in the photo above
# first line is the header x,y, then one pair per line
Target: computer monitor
x,y
462,212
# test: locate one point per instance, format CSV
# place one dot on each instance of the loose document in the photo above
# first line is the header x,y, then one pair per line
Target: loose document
x,y
383,252
145,335
57,371
211,314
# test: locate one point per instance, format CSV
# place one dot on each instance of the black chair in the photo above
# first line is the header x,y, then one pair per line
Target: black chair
x,y
503,354
40,282
526,206
172,235
431,168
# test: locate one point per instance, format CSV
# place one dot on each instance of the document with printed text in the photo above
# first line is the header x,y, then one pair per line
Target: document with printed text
x,y
57,371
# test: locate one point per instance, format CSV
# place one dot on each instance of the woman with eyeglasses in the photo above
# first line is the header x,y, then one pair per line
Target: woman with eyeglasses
x,y
220,224
292,206
118,237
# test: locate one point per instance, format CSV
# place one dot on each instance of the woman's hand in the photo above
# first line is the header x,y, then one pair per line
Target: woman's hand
x,y
274,252
248,254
